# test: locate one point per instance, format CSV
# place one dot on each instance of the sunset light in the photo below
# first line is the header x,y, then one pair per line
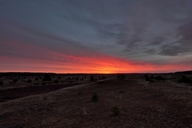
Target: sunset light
x,y
95,63
67,37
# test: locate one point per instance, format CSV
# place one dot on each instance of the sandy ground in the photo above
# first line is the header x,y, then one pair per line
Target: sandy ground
x,y
142,104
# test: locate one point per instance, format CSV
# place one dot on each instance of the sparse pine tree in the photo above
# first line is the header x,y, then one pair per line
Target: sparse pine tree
x,y
94,97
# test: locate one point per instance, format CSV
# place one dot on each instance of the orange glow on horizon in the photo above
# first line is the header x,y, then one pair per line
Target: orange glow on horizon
x,y
62,63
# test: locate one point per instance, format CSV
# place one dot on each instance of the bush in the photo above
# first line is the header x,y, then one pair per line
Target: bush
x,y
121,76
159,78
36,78
147,78
145,75
115,110
92,78
15,80
68,79
1,82
47,78
102,77
94,97
152,76
185,79
70,82
56,81
29,81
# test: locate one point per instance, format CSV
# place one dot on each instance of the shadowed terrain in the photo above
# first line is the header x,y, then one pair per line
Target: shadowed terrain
x,y
141,103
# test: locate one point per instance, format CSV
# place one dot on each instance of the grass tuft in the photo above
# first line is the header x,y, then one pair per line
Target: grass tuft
x,y
115,110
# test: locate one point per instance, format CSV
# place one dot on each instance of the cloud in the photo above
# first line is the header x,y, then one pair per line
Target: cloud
x,y
175,49
119,35
153,27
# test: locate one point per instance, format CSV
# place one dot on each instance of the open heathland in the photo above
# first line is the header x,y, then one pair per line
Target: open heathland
x,y
136,100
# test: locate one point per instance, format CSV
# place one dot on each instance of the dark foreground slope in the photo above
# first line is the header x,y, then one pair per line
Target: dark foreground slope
x,y
141,104
14,93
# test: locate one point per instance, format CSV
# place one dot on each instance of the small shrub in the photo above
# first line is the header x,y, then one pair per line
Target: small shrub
x,y
92,78
159,78
56,81
185,79
121,76
36,78
70,82
68,79
94,97
147,78
103,77
115,110
1,82
29,81
47,78
15,80
152,76
145,75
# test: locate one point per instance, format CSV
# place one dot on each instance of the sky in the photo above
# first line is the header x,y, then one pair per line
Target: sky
x,y
95,36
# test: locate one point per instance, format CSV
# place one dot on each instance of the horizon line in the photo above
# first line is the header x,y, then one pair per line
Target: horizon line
x,y
102,73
